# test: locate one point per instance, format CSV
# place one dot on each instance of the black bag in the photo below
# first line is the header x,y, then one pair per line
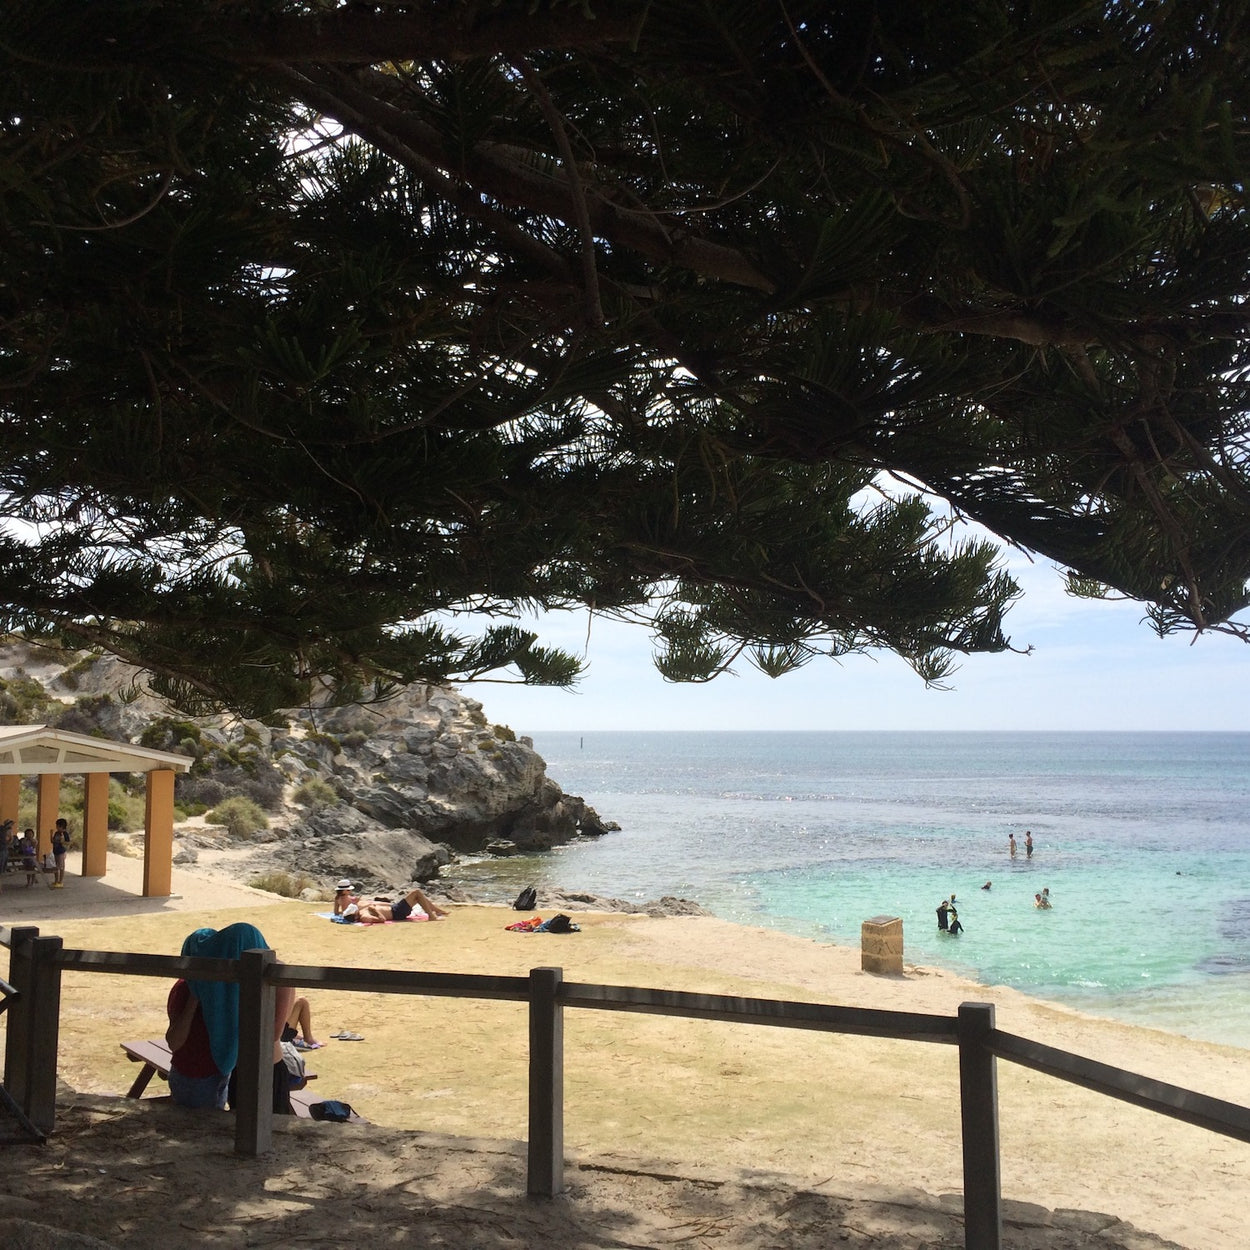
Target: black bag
x,y
560,924
526,900
331,1109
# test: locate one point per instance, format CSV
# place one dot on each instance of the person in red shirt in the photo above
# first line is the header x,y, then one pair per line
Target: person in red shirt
x,y
194,1080
203,1033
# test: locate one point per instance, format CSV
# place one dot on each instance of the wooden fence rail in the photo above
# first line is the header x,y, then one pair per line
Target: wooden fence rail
x,y
1227,1118
33,1020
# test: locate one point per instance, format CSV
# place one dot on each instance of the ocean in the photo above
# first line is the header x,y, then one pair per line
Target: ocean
x,y
1143,841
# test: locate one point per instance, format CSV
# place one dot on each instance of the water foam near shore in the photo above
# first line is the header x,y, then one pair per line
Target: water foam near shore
x,y
1142,839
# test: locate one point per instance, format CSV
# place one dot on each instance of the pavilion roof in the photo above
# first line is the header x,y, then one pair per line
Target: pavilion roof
x,y
29,750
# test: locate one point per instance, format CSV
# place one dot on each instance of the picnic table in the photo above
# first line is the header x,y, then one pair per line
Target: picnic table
x,y
155,1056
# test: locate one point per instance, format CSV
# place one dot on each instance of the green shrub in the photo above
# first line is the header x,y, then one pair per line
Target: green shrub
x,y
283,883
239,815
317,738
503,733
316,793
127,810
95,714
167,733
23,701
73,675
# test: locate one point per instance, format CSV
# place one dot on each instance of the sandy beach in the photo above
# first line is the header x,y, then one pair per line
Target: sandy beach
x,y
676,1130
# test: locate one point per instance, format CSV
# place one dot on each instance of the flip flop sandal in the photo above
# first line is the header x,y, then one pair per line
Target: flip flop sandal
x,y
348,1037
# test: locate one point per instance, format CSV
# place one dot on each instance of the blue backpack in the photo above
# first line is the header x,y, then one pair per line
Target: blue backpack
x,y
331,1109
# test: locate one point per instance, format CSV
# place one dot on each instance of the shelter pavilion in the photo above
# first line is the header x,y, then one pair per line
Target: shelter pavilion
x,y
46,754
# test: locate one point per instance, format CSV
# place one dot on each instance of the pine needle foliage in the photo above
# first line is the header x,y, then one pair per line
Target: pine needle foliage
x,y
324,324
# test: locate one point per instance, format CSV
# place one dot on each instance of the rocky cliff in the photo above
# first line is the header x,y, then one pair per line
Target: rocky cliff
x,y
385,793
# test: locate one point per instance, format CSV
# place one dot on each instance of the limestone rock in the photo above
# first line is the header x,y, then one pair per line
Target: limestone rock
x,y
386,793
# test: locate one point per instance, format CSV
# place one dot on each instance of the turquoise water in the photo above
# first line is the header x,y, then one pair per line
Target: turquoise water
x,y
1142,839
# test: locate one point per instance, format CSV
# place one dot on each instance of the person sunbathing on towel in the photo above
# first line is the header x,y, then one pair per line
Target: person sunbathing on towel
x,y
374,912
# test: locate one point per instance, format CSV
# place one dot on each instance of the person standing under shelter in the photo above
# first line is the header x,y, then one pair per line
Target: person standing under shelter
x,y
6,838
28,849
60,845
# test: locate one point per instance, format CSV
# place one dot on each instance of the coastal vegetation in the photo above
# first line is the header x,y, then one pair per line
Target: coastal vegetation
x,y
286,884
239,816
387,794
330,326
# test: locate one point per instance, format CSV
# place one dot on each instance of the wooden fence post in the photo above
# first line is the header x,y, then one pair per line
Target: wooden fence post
x,y
33,1026
978,1110
253,1093
17,1015
546,1087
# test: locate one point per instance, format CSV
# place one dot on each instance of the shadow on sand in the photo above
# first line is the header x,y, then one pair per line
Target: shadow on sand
x,y
146,1175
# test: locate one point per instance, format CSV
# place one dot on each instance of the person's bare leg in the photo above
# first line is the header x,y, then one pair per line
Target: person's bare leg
x,y
300,1017
417,897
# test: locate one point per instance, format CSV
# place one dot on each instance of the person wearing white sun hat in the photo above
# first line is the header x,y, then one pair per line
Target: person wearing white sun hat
x,y
343,897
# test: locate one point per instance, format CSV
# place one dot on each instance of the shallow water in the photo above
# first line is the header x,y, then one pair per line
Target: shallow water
x,y
1142,839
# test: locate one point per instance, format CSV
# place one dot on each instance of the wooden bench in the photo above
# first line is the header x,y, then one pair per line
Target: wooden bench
x,y
154,1055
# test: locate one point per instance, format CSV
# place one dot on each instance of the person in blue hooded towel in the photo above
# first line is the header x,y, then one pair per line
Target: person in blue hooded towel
x,y
203,1033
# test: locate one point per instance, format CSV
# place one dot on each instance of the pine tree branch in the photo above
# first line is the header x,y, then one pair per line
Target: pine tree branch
x,y
460,32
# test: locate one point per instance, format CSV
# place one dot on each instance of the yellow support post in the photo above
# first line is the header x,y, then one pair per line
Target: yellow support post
x,y
47,809
10,798
95,824
158,834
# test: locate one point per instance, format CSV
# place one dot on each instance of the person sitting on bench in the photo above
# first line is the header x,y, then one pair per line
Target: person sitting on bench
x,y
203,1033
298,1026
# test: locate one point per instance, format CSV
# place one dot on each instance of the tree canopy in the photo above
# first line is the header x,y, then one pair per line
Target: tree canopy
x,y
323,320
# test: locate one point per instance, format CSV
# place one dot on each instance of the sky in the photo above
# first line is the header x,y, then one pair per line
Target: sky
x,y
1094,666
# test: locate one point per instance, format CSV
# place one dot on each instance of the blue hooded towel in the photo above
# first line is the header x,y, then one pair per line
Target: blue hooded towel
x,y
219,1000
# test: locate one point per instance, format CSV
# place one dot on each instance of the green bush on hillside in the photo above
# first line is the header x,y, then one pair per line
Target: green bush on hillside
x,y
127,811
241,817
23,701
316,793
283,883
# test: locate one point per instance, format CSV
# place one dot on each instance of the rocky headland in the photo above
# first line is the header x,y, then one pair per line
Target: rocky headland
x,y
388,793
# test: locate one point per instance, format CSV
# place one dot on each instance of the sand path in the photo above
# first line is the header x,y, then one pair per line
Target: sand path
x,y
865,1132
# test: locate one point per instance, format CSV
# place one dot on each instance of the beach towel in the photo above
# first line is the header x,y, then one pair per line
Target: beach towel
x,y
417,914
219,1000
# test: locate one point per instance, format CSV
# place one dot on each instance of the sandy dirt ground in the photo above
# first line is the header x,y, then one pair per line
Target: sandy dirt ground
x,y
677,1131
